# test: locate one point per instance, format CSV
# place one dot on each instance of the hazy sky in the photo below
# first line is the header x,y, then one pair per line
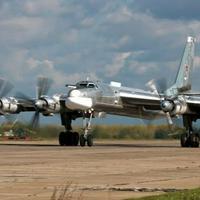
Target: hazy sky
x,y
131,41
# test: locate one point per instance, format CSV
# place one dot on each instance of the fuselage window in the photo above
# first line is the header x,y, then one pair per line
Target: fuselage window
x,y
86,85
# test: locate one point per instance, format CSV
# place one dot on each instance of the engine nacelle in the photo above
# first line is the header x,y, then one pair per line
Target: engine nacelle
x,y
48,105
174,107
180,107
9,105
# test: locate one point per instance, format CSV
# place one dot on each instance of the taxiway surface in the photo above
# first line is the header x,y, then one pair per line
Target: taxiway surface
x,y
109,170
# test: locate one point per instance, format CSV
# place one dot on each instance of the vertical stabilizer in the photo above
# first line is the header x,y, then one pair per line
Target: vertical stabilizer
x,y
183,77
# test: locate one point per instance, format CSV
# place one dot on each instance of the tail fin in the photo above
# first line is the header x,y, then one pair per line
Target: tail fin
x,y
183,77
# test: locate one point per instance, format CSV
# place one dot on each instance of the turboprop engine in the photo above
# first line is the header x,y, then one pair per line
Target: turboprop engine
x,y
174,107
9,105
48,105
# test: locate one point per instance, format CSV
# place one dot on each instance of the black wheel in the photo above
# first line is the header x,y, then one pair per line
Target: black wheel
x,y
89,140
197,140
62,139
69,138
82,140
75,138
194,140
184,140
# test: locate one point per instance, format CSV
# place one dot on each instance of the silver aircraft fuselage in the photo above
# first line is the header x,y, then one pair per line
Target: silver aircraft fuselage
x,y
107,98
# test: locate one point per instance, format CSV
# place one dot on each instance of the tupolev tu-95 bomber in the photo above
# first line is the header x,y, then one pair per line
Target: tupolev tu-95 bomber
x,y
88,99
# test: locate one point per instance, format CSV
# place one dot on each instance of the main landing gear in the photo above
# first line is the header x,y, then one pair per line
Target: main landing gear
x,y
70,138
190,138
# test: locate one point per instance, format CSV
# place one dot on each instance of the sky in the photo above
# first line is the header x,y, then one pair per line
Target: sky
x,y
130,41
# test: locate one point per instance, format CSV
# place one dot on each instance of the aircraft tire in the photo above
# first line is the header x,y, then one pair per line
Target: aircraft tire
x,y
194,140
184,140
75,139
82,140
89,140
69,139
62,138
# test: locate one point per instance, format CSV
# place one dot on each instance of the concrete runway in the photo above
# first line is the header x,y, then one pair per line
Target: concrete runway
x,y
109,170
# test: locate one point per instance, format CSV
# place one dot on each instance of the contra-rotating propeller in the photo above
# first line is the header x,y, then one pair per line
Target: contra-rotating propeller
x,y
42,89
5,87
166,103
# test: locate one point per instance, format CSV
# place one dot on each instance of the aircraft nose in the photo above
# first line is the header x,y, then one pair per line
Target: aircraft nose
x,y
74,93
78,101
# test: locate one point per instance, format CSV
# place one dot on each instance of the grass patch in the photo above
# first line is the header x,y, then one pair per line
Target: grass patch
x,y
135,132
193,194
101,131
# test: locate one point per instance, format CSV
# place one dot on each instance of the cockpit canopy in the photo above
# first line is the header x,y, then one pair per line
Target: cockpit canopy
x,y
86,84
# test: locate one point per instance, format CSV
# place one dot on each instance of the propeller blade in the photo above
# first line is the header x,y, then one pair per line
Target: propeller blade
x,y
25,100
161,85
43,86
5,87
152,86
35,120
178,121
22,96
1,83
157,86
169,119
146,122
10,118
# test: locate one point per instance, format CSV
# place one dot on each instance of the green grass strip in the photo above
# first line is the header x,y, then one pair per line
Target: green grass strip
x,y
193,194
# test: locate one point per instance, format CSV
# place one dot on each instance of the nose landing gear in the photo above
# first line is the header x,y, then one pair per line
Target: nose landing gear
x,y
86,137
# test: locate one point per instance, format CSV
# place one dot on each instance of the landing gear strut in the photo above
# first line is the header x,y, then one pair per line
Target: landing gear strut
x,y
86,137
190,138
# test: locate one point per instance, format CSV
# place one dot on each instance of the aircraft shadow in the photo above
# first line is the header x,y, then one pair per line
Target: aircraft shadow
x,y
142,145
138,145
30,145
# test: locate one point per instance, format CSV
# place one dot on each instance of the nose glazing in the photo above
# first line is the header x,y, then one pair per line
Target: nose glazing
x,y
74,93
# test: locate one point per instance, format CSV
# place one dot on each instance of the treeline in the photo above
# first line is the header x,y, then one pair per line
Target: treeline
x,y
102,131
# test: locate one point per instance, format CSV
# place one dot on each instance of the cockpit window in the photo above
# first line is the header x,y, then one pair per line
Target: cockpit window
x,y
86,84
91,85
82,85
